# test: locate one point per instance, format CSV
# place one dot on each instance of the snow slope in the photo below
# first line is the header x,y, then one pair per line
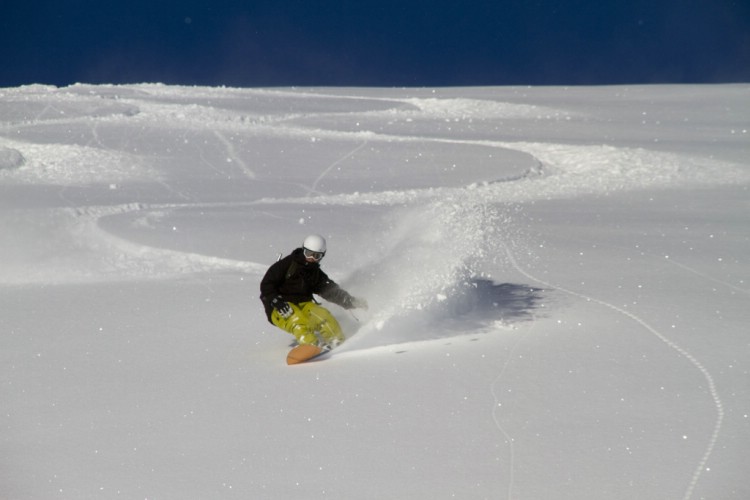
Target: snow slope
x,y
558,280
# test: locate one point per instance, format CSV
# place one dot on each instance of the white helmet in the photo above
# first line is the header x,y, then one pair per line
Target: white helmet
x,y
314,246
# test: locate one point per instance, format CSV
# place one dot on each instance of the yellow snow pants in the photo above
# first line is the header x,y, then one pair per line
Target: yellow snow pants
x,y
310,323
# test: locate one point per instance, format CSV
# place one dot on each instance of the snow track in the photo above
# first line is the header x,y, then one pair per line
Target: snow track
x,y
711,384
71,247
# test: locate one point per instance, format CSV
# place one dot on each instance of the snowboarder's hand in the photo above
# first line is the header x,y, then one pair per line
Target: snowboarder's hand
x,y
358,303
285,310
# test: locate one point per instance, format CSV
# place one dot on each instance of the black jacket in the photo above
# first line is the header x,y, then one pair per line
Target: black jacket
x,y
296,280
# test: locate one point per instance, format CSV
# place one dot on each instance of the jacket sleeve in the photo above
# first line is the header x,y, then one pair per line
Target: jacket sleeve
x,y
274,277
270,284
332,292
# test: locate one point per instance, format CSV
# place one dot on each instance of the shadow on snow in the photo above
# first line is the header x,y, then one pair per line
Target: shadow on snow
x,y
476,306
479,303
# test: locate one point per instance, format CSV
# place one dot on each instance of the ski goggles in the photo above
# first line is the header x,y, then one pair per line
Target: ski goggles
x,y
310,254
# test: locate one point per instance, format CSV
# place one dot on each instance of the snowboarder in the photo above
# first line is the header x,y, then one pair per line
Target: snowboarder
x,y
287,291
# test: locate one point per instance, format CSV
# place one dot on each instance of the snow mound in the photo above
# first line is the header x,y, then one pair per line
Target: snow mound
x,y
463,108
35,104
72,165
10,159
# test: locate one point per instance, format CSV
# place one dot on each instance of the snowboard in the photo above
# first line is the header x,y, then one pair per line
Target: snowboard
x,y
304,352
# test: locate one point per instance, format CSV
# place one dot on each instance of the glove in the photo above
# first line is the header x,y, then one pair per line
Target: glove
x,y
358,303
285,310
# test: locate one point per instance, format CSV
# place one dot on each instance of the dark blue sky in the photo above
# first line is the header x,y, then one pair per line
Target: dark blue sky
x,y
374,43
